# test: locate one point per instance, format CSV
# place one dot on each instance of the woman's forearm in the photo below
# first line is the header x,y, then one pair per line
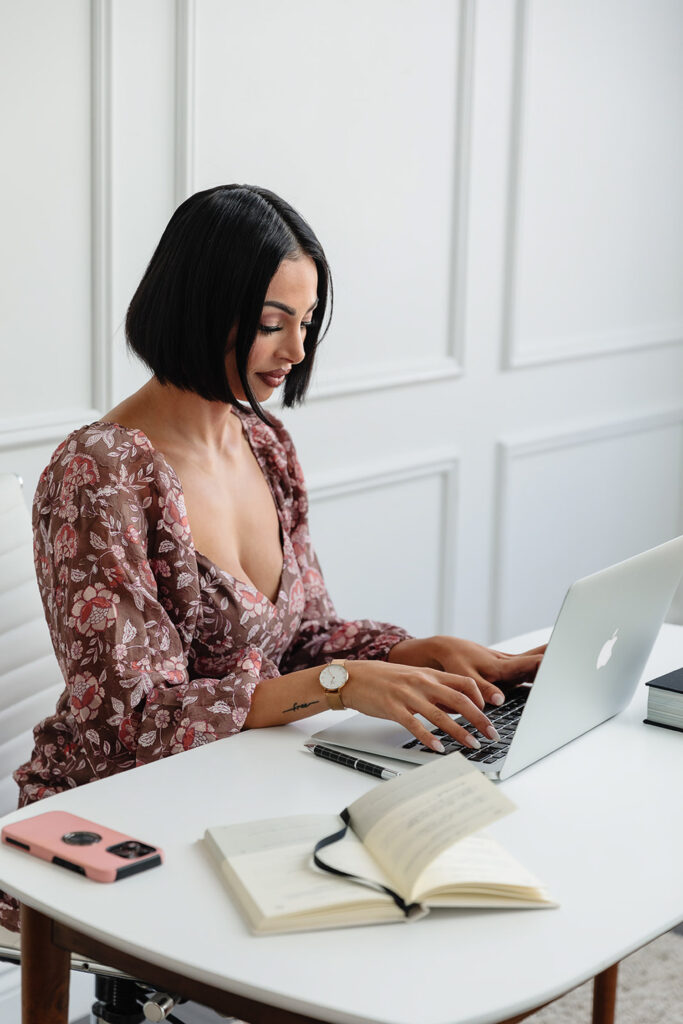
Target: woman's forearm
x,y
287,698
296,695
416,651
397,691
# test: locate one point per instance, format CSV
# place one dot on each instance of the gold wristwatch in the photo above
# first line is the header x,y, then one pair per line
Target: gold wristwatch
x,y
332,679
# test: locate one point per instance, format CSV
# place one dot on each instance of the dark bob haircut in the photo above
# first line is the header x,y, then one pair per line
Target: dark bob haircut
x,y
210,272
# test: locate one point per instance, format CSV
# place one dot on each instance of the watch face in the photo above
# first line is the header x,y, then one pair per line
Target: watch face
x,y
333,677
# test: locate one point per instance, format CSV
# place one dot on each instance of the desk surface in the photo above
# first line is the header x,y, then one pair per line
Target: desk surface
x,y
598,822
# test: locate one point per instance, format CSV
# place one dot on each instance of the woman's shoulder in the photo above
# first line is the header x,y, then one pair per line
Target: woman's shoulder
x,y
105,456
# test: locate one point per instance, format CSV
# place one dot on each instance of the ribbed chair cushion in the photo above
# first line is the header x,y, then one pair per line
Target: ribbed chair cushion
x,y
30,677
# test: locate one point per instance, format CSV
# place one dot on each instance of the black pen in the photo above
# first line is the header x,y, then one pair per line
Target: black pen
x,y
351,762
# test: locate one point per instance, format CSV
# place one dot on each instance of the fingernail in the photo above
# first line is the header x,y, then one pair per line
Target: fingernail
x,y
498,699
492,734
438,746
472,741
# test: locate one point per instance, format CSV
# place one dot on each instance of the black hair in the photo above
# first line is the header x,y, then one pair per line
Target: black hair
x,y
210,272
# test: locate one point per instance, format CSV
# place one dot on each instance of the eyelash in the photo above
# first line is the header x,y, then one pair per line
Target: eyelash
x,y
273,330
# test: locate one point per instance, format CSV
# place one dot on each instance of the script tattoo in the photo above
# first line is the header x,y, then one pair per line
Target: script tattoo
x,y
298,707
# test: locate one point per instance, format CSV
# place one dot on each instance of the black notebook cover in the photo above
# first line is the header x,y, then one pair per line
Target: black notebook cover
x,y
671,681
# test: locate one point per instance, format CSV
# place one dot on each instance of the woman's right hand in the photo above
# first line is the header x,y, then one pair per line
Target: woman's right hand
x,y
400,692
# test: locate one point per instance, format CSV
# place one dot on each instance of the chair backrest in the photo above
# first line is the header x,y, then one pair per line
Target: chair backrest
x,y
30,677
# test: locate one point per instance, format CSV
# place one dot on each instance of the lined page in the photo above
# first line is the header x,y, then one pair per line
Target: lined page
x,y
268,866
478,863
409,821
271,833
282,883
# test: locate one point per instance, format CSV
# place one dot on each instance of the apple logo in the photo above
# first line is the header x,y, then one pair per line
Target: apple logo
x,y
606,650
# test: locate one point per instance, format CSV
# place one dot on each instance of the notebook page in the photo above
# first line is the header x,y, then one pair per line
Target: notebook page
x,y
269,864
282,883
409,821
270,833
350,855
477,861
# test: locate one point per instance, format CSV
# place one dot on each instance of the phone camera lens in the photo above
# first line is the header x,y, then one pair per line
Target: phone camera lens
x,y
130,849
81,838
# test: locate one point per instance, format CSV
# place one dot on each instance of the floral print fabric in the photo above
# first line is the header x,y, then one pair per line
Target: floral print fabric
x,y
160,649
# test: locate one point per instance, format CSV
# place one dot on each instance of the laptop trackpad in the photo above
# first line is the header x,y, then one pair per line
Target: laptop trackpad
x,y
376,736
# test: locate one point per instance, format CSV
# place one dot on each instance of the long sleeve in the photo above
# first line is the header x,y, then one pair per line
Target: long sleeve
x,y
322,635
118,577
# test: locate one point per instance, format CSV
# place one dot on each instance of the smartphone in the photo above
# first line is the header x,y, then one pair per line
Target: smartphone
x,y
83,846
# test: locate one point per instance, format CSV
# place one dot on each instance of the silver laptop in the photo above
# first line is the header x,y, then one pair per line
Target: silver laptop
x,y
601,641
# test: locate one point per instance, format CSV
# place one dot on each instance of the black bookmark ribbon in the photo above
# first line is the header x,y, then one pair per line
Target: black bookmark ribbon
x,y
408,908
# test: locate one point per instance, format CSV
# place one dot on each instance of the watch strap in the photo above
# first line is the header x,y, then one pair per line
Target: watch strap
x,y
334,700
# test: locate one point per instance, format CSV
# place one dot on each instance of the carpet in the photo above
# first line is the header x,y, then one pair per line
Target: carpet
x,y
649,991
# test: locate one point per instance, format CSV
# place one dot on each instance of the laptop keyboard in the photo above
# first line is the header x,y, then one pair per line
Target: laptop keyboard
x,y
504,718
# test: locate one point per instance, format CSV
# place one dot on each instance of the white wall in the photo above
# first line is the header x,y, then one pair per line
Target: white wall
x,y
498,406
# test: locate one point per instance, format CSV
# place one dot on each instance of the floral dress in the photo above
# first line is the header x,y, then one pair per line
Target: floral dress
x,y
160,649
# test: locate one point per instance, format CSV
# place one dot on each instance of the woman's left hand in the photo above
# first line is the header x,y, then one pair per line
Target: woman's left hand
x,y
466,658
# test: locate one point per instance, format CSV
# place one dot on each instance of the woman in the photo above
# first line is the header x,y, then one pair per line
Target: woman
x,y
183,595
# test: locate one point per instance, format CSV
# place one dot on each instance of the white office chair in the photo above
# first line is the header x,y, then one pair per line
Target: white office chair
x,y
30,678
30,683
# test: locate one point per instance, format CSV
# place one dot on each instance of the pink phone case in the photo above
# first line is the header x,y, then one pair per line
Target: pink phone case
x,y
69,841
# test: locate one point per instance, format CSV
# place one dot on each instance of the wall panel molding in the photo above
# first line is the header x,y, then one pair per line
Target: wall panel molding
x,y
30,431
600,431
185,58
586,346
514,353
462,160
444,465
450,365
508,305
512,450
102,353
380,378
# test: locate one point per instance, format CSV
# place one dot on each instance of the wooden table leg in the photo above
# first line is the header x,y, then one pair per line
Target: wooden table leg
x,y
44,972
605,995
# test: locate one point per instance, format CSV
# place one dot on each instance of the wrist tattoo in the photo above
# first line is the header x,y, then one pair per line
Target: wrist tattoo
x,y
298,707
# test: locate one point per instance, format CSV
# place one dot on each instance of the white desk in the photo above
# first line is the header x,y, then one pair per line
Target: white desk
x,y
598,821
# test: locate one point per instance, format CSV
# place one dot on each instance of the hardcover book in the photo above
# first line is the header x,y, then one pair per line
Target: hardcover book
x,y
665,700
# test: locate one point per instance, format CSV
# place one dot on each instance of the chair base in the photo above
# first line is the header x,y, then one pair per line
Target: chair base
x,y
117,1001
